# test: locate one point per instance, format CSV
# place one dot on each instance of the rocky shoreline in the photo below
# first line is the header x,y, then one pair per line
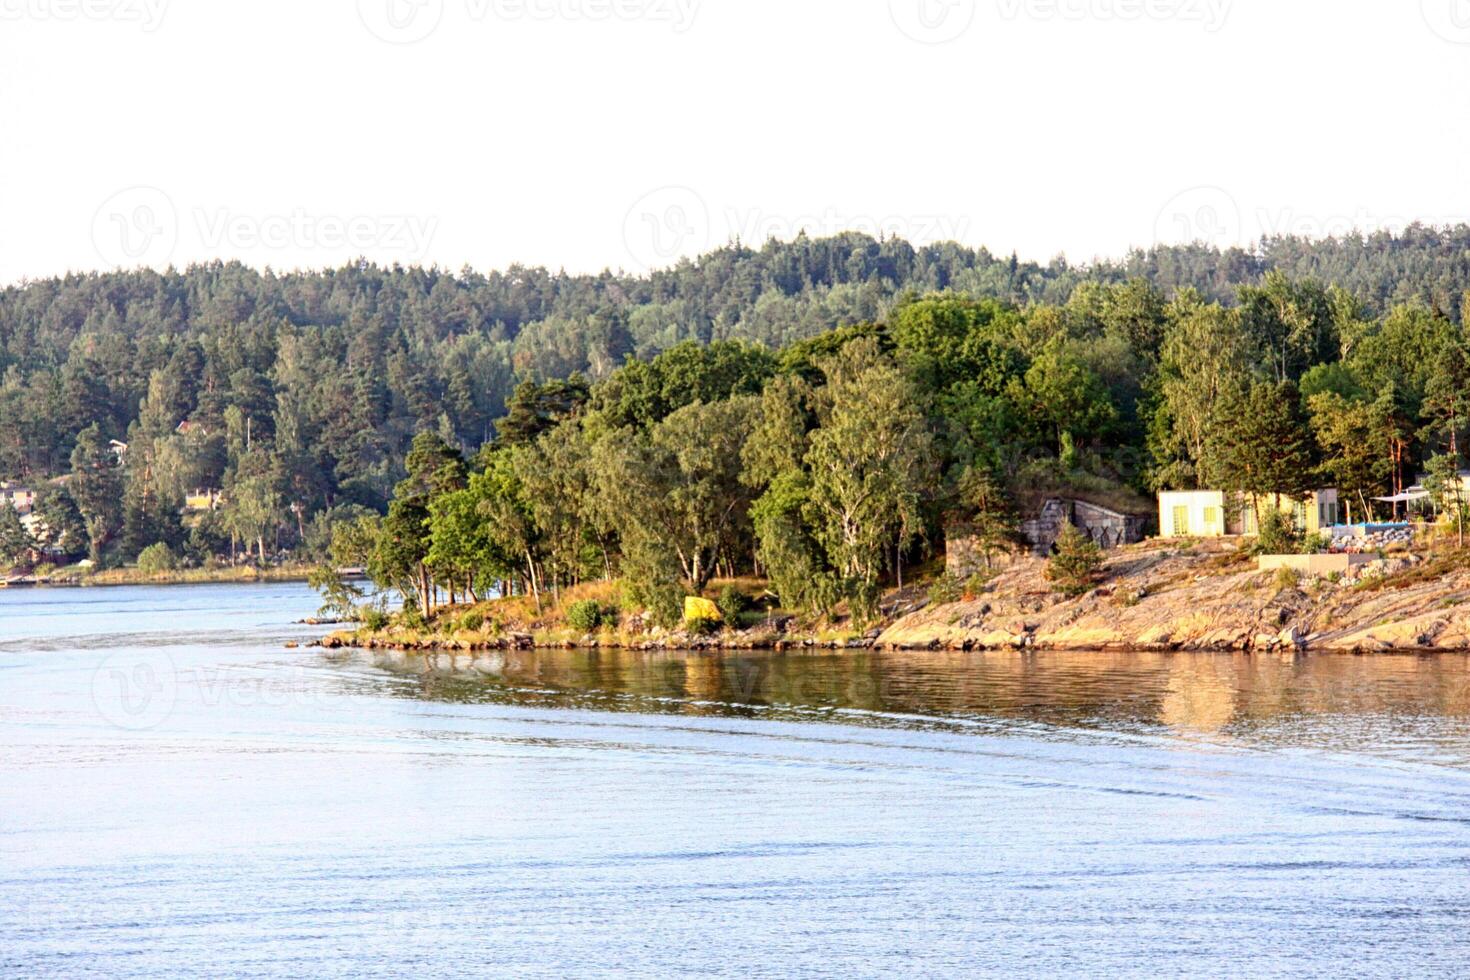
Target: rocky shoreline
x,y
387,640
1150,597
1162,599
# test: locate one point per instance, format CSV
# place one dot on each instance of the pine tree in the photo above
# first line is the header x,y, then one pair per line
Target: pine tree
x,y
993,523
1073,569
1265,448
15,542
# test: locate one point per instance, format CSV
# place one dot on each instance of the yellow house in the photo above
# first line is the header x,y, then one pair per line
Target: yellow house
x,y
201,500
1215,514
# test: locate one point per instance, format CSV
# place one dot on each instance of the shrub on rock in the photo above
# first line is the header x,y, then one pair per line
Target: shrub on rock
x,y
1073,569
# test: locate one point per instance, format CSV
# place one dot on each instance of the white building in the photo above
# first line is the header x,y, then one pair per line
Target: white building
x,y
1215,514
19,497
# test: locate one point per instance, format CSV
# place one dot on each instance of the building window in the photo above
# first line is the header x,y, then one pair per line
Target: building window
x,y
1212,519
1181,521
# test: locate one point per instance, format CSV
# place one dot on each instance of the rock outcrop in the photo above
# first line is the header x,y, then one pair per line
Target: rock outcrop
x,y
1154,598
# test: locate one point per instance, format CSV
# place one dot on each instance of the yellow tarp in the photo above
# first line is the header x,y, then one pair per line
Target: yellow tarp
x,y
697,608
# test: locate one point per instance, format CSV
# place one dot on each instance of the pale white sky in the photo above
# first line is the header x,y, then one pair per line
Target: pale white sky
x,y
621,133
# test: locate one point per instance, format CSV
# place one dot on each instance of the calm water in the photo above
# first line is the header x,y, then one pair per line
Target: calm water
x,y
181,794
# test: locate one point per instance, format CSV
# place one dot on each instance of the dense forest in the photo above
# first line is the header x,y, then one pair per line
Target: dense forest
x,y
937,381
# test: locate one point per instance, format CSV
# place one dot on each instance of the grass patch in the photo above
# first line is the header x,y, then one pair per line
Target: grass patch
x,y
197,576
1287,579
1436,567
1228,561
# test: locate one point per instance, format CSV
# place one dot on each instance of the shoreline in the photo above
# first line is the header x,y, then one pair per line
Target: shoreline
x,y
1157,597
346,640
127,576
452,644
460,642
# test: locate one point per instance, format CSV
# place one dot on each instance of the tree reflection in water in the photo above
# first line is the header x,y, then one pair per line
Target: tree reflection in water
x,y
1417,706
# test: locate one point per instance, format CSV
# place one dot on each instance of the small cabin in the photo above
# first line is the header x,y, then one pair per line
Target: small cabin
x,y
201,500
22,499
1217,514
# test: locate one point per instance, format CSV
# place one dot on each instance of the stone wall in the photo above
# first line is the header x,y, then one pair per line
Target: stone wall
x,y
1316,565
1108,528
963,556
1370,538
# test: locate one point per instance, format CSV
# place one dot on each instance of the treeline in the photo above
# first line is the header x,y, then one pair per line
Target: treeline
x,y
831,464
298,395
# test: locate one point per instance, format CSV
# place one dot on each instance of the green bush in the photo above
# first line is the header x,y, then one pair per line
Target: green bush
x,y
631,598
412,616
472,621
702,626
1072,570
374,619
731,603
585,616
864,599
664,603
946,589
1288,578
666,606
1279,535
339,597
157,559
827,590
1316,544
976,584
